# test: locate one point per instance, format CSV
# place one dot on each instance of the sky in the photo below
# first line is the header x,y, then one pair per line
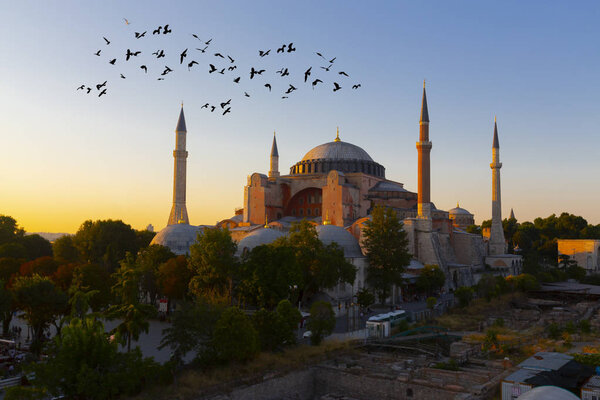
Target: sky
x,y
66,157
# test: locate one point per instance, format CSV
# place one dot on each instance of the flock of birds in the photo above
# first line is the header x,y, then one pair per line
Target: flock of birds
x,y
223,64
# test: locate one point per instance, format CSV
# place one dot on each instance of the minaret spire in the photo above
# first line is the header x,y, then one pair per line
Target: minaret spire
x,y
423,150
179,210
274,160
497,243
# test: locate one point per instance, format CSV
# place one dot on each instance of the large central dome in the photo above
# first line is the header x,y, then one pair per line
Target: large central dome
x,y
339,156
337,151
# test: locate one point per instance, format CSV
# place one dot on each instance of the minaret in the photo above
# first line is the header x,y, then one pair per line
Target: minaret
x,y
512,214
497,243
179,211
423,149
274,164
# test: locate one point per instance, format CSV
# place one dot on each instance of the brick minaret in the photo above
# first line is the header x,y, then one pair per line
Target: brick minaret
x,y
179,211
274,162
497,243
423,149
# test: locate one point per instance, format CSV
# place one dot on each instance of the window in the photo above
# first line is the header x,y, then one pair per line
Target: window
x,y
301,211
294,212
301,200
308,211
317,211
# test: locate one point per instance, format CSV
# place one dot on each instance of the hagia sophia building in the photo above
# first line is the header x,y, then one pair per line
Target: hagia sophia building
x,y
335,186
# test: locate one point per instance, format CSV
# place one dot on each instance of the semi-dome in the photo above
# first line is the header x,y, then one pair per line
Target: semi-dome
x,y
332,233
177,237
258,238
339,156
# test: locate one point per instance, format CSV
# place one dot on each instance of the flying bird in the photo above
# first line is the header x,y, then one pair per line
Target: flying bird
x,y
208,41
321,55
191,64
126,21
130,54
255,72
81,87
284,97
268,86
307,74
229,109
336,86
219,55
140,35
144,68
182,56
113,61
98,53
222,72
290,89
205,106
327,68
122,76
283,72
332,60
264,53
98,86
160,79
196,36
231,59
237,80
246,94
89,89
232,68
343,73
314,83
107,41
356,86
291,48
159,53
226,103
102,92
157,31
212,108
212,68
202,50
167,70
166,29
281,49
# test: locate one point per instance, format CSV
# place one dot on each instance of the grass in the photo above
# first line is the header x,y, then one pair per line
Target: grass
x,y
468,318
192,383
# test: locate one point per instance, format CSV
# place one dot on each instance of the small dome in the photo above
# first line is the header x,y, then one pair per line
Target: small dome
x,y
258,238
458,211
177,237
337,151
547,393
332,233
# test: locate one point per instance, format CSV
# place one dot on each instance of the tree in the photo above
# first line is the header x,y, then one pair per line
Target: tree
x,y
13,250
474,229
88,277
431,279
270,274
44,266
9,269
105,242
321,322
431,303
6,307
9,230
42,303
213,259
36,246
290,317
143,238
63,276
132,314
464,294
365,298
234,338
64,249
386,245
192,327
84,363
270,329
323,267
173,278
148,261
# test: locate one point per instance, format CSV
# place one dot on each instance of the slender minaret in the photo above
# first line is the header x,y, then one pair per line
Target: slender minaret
x,y
497,243
423,149
274,164
512,214
179,211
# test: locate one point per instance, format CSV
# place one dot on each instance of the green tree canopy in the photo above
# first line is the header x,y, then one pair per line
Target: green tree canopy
x,y
105,242
90,276
64,250
173,278
148,261
321,322
234,338
213,259
9,230
431,279
36,246
386,245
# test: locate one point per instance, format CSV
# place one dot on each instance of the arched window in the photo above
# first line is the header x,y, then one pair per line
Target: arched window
x,y
301,212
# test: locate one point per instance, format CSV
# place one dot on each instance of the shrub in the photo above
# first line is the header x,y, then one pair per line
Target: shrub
x,y
450,365
554,331
464,295
235,339
321,322
585,326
